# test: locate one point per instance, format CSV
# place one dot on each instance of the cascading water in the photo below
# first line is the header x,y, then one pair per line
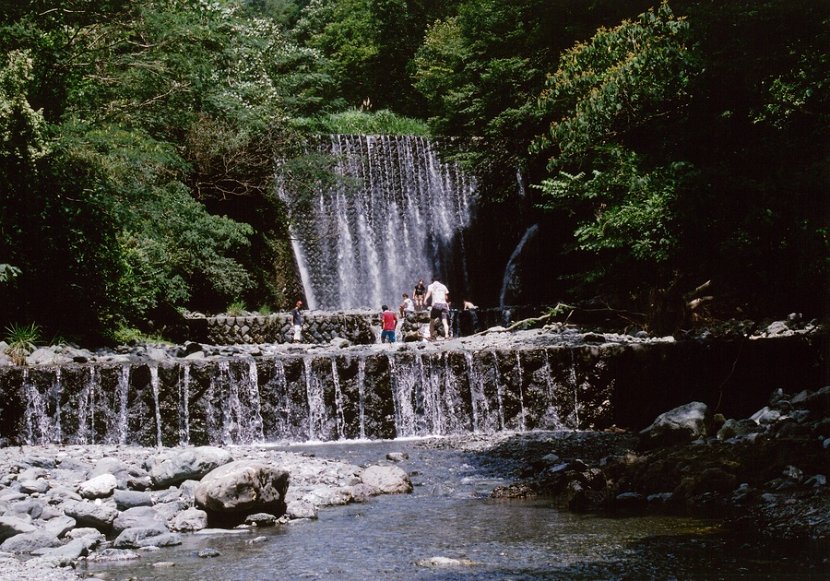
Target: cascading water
x,y
184,401
123,395
369,395
509,281
397,216
154,384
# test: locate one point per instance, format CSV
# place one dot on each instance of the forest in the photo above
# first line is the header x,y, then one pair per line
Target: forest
x,y
670,143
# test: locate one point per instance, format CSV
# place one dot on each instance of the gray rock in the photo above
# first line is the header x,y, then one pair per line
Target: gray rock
x,y
27,507
47,356
243,487
328,496
64,555
732,428
766,416
189,520
144,517
125,499
82,532
387,479
128,476
13,525
677,426
33,486
99,486
99,515
177,466
59,525
138,537
28,542
168,510
261,519
114,555
300,508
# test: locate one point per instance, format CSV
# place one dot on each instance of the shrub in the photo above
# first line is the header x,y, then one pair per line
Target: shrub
x,y
21,340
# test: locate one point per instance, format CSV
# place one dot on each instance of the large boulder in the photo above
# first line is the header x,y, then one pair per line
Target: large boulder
x,y
680,425
173,468
387,479
237,489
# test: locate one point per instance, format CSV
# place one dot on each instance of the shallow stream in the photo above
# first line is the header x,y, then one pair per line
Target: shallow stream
x,y
449,516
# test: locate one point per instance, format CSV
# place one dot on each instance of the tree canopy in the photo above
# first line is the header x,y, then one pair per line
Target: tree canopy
x,y
671,143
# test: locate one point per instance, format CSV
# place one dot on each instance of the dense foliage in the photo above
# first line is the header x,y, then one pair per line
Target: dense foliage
x,y
677,144
670,143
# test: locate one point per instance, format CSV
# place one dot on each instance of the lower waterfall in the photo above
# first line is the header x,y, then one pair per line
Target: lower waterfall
x,y
289,394
291,398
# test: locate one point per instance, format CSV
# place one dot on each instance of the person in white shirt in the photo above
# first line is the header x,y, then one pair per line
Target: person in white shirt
x,y
406,306
438,292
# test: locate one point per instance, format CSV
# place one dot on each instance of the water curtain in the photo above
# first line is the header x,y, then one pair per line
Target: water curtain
x,y
396,215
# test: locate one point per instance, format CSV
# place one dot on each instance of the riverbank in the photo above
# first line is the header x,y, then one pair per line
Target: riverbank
x,y
765,475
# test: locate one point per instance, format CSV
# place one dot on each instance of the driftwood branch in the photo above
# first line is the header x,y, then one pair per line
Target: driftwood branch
x,y
515,325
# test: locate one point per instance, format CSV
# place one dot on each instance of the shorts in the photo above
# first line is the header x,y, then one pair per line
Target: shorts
x,y
387,337
439,311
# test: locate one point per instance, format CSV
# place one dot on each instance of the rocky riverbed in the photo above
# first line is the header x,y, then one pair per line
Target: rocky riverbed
x,y
63,504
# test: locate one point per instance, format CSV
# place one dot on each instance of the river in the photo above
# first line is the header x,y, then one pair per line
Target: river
x,y
449,528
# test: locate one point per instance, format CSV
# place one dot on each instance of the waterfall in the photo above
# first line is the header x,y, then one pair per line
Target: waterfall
x,y
314,395
574,383
338,401
361,394
284,410
251,421
396,215
478,402
38,426
551,417
522,425
508,281
154,384
499,390
86,409
184,405
123,395
403,381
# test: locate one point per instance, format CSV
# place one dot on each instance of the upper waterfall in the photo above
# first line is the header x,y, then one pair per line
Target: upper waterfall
x,y
396,216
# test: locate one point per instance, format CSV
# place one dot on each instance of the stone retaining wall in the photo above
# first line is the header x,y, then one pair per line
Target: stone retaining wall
x,y
361,328
358,328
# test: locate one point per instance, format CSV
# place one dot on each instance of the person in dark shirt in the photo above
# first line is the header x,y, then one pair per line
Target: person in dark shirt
x,y
418,295
297,321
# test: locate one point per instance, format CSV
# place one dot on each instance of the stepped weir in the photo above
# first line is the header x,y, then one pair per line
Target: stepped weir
x,y
405,390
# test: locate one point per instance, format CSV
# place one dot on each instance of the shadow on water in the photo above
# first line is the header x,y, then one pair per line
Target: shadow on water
x,y
450,516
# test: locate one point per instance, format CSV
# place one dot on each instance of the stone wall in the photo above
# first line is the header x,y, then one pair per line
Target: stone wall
x,y
358,328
